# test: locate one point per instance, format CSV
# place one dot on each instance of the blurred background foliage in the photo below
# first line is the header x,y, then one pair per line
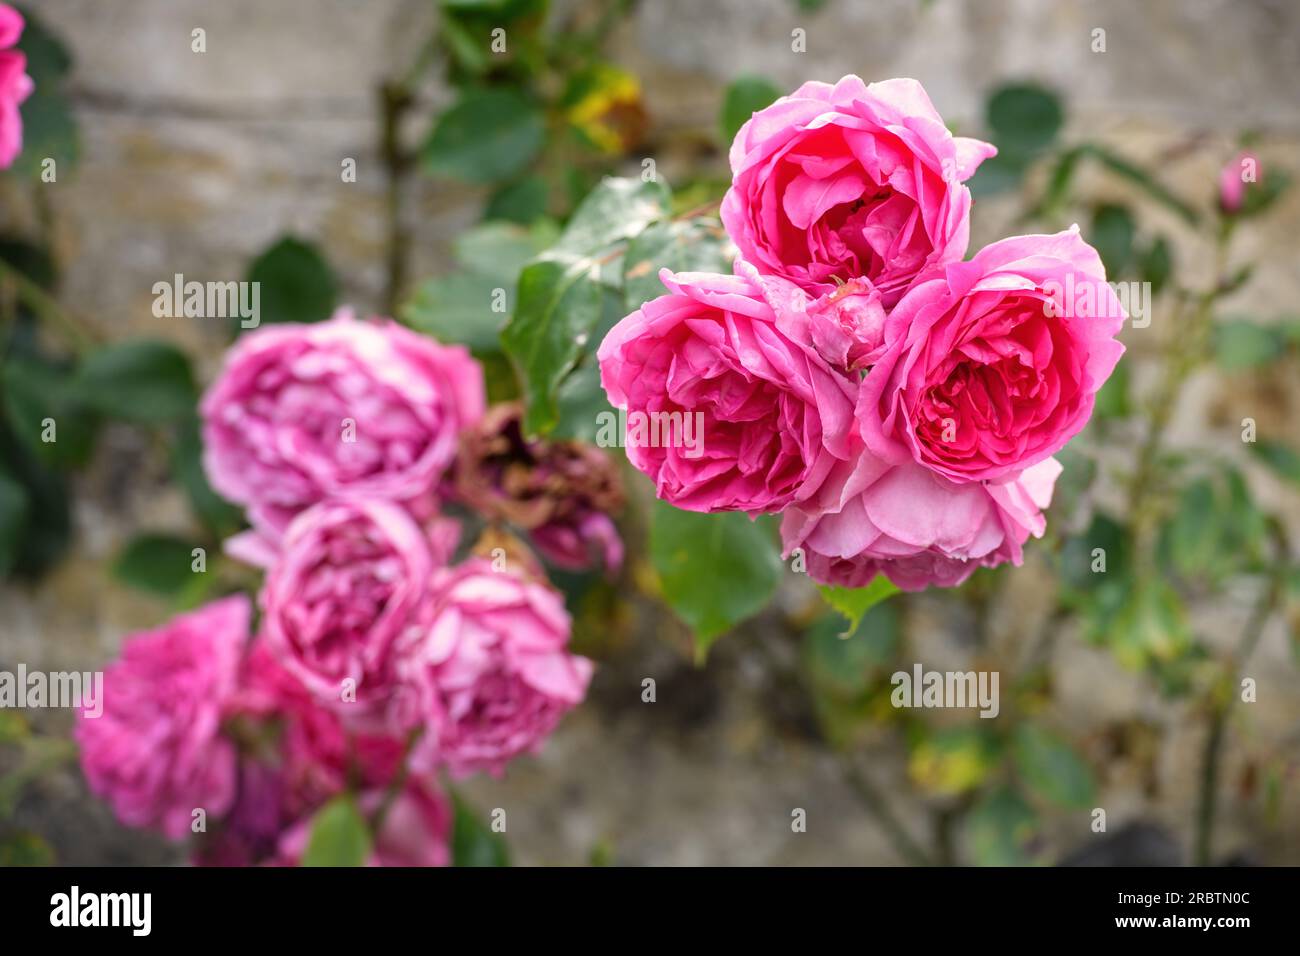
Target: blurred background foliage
x,y
576,222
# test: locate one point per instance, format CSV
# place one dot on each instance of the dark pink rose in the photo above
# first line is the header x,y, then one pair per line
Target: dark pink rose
x,y
914,526
1239,174
736,409
301,413
157,752
994,367
492,676
353,577
851,181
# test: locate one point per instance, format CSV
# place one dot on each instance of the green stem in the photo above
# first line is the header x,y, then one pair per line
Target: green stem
x,y
879,808
47,309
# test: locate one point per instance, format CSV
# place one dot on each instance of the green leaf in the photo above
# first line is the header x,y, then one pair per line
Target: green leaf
x,y
998,174
953,760
296,283
522,202
846,663
716,569
1050,767
218,515
47,530
458,309
25,849
1001,828
487,136
744,97
140,380
339,836
1025,118
693,245
1156,264
853,603
1283,459
160,564
1240,343
1150,626
35,392
1112,233
49,127
615,210
13,518
503,248
1078,559
473,843
559,304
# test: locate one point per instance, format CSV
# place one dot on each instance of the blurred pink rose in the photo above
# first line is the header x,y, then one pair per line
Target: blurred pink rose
x,y
353,577
15,85
995,366
851,181
1240,173
914,526
764,415
156,753
415,832
303,412
492,676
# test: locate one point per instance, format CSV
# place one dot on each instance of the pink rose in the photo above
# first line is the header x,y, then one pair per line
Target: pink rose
x,y
15,85
1239,173
304,412
157,753
914,526
491,677
316,753
415,832
851,182
353,577
736,409
995,366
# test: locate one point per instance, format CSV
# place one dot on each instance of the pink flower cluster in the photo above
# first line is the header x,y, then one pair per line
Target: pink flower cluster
x,y
898,406
15,85
377,661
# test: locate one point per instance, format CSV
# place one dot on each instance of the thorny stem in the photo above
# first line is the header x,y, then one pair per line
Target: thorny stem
x,y
396,784
396,100
1224,694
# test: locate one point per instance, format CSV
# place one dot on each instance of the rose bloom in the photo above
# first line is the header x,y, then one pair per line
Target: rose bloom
x,y
560,492
415,832
157,752
491,677
851,181
775,416
1233,182
352,578
295,755
995,366
914,526
304,412
15,85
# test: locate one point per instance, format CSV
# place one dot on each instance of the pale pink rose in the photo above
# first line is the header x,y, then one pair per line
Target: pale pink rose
x,y
353,577
914,526
416,829
157,752
851,181
305,412
1234,181
492,676
15,85
995,366
775,416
